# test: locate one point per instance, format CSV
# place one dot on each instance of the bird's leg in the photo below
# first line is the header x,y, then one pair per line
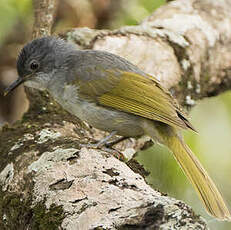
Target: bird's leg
x,y
100,143
107,148
118,140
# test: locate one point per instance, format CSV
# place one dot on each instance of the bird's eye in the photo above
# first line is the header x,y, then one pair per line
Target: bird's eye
x,y
34,65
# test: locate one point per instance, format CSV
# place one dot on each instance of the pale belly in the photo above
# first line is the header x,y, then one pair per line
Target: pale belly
x,y
108,119
100,117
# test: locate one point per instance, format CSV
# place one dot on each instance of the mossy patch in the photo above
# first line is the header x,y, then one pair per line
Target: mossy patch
x,y
188,84
47,219
136,167
43,112
152,219
16,213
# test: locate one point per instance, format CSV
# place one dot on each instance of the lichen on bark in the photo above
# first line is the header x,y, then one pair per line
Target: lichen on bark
x,y
17,212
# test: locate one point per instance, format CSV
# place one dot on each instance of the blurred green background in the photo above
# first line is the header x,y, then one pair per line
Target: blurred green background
x,y
211,117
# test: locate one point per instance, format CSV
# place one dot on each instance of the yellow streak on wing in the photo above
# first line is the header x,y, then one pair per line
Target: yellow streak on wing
x,y
142,96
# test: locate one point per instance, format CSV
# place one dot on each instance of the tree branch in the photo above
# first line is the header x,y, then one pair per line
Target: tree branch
x,y
185,44
44,11
47,178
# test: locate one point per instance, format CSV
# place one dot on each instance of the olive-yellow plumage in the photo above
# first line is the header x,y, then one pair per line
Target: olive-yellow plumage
x,y
145,97
111,94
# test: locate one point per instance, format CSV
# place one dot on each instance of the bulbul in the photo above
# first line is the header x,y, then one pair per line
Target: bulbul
x,y
112,94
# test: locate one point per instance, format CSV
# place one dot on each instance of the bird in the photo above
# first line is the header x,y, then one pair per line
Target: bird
x,y
112,94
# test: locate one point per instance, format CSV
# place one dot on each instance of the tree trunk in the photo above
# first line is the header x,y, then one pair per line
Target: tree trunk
x,y
49,182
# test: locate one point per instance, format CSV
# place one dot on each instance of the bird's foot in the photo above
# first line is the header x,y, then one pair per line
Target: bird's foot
x,y
107,146
100,143
114,142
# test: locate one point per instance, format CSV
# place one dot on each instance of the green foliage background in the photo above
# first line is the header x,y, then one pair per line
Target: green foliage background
x,y
11,12
211,117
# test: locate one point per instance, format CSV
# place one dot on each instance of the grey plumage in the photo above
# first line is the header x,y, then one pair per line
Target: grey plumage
x,y
61,64
112,94
54,52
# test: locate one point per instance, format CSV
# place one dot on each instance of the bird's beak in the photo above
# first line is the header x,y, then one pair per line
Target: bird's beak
x,y
14,85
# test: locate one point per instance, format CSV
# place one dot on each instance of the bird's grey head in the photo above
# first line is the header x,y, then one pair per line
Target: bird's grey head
x,y
38,60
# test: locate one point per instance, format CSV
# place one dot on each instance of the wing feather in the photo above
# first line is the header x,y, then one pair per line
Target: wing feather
x,y
136,94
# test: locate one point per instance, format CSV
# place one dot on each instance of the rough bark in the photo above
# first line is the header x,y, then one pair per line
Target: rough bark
x,y
49,181
44,11
186,44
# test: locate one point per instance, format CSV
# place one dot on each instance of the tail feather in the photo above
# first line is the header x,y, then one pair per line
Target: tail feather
x,y
203,184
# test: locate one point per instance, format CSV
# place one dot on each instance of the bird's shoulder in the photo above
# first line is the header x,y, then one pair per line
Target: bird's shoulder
x,y
93,64
109,80
97,72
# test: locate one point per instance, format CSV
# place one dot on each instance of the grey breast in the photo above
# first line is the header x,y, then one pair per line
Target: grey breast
x,y
100,117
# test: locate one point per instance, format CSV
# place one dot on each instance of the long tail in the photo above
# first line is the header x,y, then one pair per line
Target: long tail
x,y
203,184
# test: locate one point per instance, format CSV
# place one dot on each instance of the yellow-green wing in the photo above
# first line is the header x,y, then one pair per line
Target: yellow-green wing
x,y
136,94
